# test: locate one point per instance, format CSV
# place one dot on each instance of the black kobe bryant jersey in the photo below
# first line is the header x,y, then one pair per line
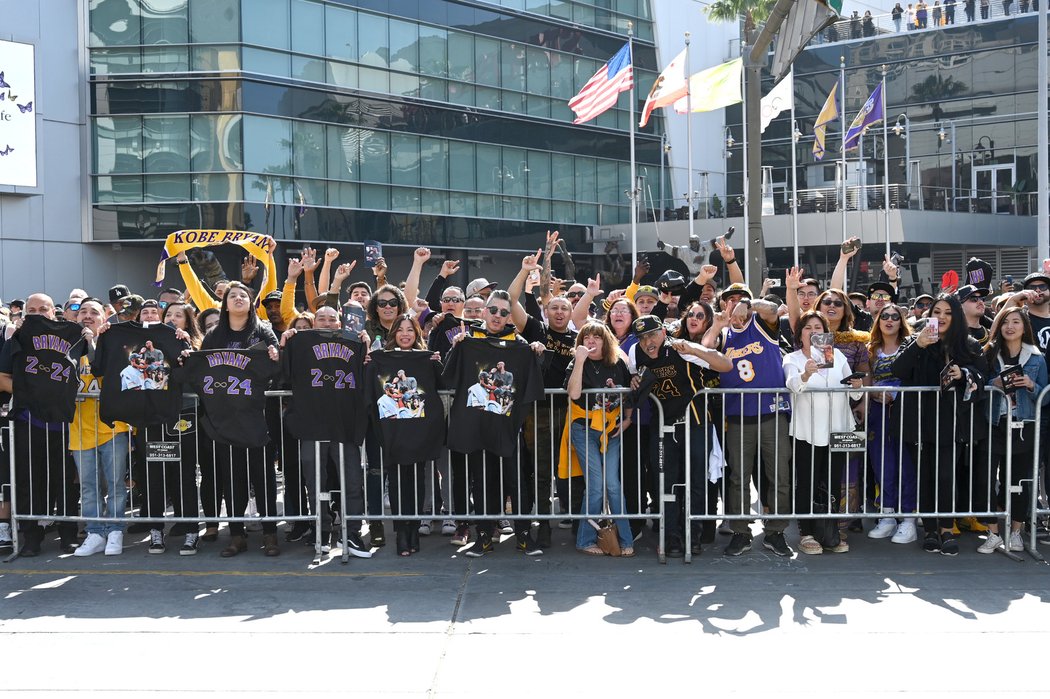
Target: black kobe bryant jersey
x,y
134,363
231,385
325,369
45,354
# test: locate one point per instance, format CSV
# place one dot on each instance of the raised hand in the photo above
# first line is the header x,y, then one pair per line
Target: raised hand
x,y
706,274
594,286
640,270
249,268
725,249
295,268
309,259
531,262
889,268
342,272
793,279
448,268
331,254
421,255
380,268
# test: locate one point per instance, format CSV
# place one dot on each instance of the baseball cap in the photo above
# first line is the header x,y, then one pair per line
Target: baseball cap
x,y
883,286
647,291
646,324
273,296
477,285
130,304
117,293
968,291
735,288
1037,276
978,273
150,303
671,282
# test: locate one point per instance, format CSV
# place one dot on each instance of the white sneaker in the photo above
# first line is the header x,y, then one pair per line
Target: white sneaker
x,y
1016,541
505,527
448,527
5,535
424,528
886,527
114,543
991,543
94,543
905,533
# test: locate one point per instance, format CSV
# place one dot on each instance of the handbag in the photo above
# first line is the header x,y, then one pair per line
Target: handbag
x,y
608,537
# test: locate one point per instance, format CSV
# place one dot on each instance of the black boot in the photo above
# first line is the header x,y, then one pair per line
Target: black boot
x,y
67,534
32,537
413,537
401,537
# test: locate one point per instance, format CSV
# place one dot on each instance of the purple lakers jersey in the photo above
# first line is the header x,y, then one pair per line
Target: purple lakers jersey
x,y
757,363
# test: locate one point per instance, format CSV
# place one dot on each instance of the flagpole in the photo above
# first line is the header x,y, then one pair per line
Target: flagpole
x,y
885,162
842,160
743,124
794,173
688,138
634,179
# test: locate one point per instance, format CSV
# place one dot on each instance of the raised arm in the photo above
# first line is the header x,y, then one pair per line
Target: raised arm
x,y
579,311
736,276
412,280
545,271
440,283
517,311
330,256
310,263
838,277
288,312
793,282
202,299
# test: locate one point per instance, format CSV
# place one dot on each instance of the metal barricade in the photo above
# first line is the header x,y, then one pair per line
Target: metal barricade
x,y
958,484
1038,515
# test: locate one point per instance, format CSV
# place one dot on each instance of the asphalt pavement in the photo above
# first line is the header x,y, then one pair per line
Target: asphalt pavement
x,y
882,618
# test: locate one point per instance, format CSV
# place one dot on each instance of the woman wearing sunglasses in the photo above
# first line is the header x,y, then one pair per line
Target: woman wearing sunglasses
x,y
893,467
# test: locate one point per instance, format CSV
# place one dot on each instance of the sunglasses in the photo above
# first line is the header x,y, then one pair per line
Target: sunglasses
x,y
832,302
386,303
452,299
890,316
574,295
1037,287
72,306
496,311
881,297
697,316
923,305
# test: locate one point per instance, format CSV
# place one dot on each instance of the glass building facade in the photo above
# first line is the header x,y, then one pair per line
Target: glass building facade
x,y
404,121
968,93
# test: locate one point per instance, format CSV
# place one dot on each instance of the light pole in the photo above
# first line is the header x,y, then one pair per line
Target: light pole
x,y
941,135
705,193
904,131
795,135
728,153
665,153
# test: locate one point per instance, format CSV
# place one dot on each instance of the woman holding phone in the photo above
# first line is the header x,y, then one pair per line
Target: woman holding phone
x,y
1018,368
937,422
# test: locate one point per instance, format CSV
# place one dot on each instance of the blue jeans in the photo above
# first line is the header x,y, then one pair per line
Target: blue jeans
x,y
102,491
587,443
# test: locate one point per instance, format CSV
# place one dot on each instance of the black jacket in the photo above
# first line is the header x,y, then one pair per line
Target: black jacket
x,y
941,415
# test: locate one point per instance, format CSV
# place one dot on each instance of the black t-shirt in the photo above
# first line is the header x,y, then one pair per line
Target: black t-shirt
x,y
231,385
559,353
494,381
325,368
44,355
600,375
135,363
402,393
442,334
223,338
1041,330
672,381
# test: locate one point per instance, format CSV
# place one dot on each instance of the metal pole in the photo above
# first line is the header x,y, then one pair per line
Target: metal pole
x,y
842,158
952,123
907,156
689,139
747,176
634,191
862,174
663,163
794,177
885,161
1043,150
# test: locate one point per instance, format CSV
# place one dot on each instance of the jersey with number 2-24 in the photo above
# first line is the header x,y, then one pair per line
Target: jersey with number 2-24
x,y
231,384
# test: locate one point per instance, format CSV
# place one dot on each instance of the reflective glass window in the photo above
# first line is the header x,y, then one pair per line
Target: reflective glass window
x,y
166,143
460,56
562,167
117,145
512,65
404,159
404,46
486,61
115,24
404,199
116,190
304,68
433,51
165,59
343,194
115,61
462,166
308,149
375,197
267,23
307,27
214,21
270,145
340,29
434,163
490,168
166,188
344,152
215,142
341,74
375,157
165,22
217,187
373,45
585,180
539,174
267,62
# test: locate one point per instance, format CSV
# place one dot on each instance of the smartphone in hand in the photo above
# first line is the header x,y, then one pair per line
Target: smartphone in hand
x,y
933,327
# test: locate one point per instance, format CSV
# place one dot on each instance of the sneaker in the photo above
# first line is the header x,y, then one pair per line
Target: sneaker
x,y
482,546
115,544
809,545
970,524
949,545
841,547
6,544
156,541
505,527
991,543
675,548
356,547
527,545
886,527
377,534
905,533
1016,541
424,528
94,543
774,541
725,528
299,531
738,545
565,524
931,543
189,545
448,527
462,536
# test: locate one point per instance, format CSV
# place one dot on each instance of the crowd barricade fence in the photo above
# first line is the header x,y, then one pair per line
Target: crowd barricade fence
x,y
1039,476
177,476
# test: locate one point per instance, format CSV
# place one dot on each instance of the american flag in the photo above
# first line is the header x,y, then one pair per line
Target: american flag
x,y
600,92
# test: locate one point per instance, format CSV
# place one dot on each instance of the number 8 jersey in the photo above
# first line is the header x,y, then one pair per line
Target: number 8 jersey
x,y
231,385
757,363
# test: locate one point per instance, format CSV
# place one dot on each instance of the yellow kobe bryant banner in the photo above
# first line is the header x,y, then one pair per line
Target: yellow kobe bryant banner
x,y
258,245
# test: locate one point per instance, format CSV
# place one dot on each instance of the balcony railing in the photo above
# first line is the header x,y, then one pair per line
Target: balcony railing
x,y
937,17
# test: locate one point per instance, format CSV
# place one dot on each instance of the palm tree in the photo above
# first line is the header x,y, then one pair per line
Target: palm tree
x,y
752,12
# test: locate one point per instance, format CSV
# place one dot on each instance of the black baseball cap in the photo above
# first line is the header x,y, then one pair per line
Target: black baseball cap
x,y
646,324
1037,276
118,292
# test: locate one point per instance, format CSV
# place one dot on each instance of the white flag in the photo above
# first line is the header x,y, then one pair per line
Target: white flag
x,y
781,97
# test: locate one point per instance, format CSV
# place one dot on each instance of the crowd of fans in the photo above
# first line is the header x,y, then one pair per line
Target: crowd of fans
x,y
923,15
593,449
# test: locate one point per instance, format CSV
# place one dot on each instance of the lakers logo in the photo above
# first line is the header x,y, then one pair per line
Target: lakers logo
x,y
183,426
